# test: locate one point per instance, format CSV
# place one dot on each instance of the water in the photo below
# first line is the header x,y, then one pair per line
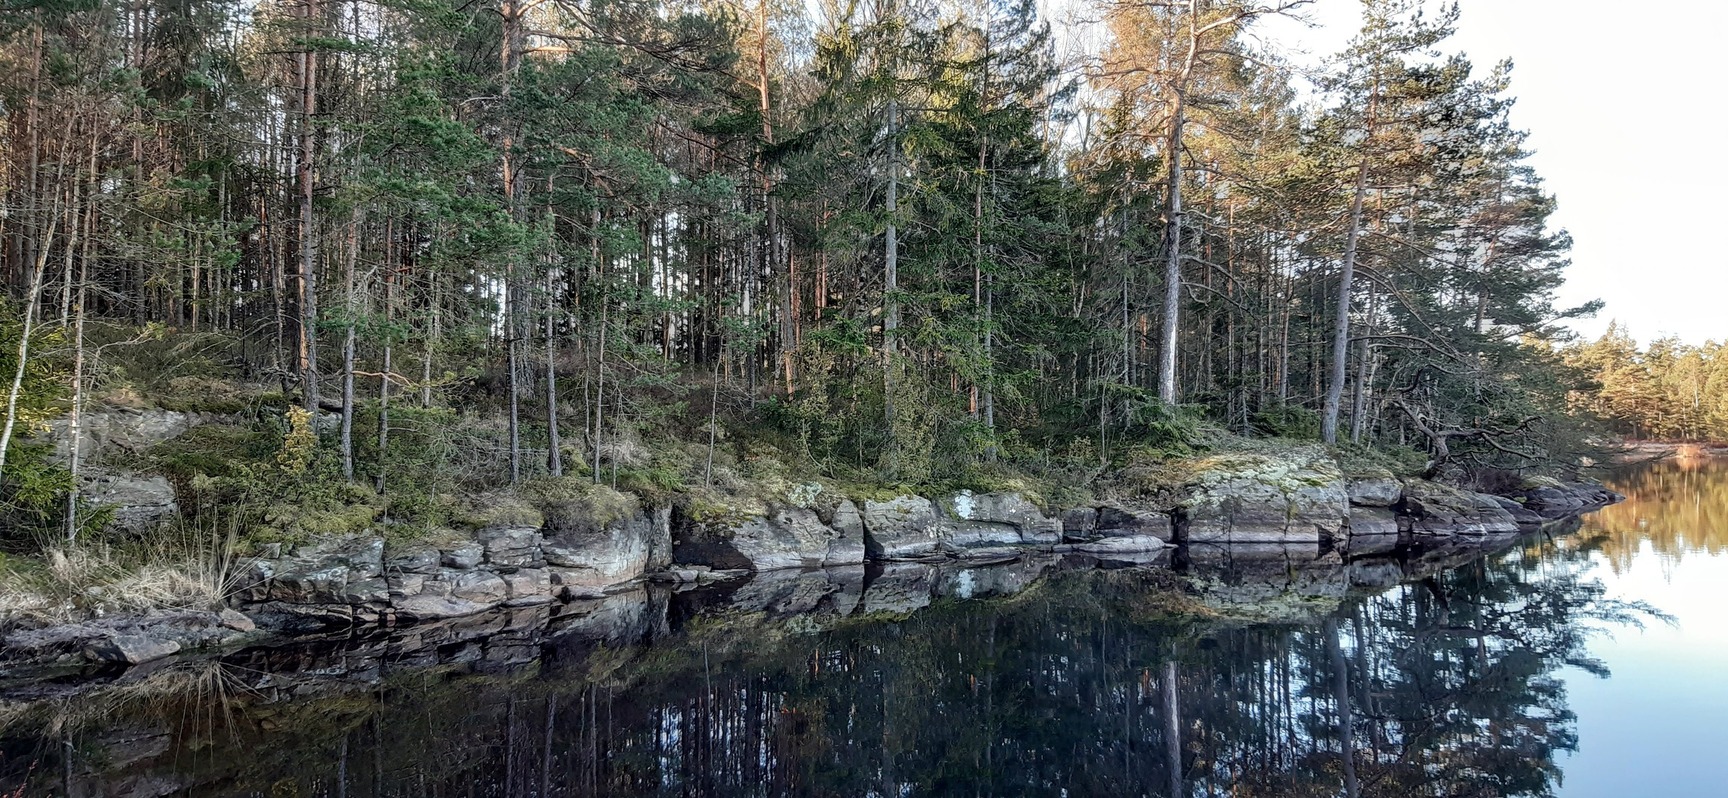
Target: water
x,y
1440,672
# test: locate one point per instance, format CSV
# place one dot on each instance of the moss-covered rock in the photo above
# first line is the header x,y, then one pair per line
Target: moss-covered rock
x,y
1294,496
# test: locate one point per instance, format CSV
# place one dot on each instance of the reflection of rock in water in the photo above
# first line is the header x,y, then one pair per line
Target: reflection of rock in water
x,y
895,676
1061,679
1293,580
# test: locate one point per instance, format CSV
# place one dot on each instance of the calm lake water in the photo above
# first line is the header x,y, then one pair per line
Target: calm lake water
x,y
1280,673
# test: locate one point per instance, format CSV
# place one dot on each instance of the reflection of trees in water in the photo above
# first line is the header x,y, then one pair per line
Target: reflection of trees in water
x,y
1679,505
1441,688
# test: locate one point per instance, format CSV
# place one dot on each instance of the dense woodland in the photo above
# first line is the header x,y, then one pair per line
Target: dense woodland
x,y
1668,390
908,237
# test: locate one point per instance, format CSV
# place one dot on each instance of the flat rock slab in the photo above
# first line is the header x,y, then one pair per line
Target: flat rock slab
x,y
1294,497
131,649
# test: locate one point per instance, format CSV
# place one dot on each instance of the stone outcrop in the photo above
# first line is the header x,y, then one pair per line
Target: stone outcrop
x,y
362,579
601,542
1298,496
1379,489
128,640
1553,500
975,520
139,502
122,429
962,524
787,537
1117,529
1430,509
904,526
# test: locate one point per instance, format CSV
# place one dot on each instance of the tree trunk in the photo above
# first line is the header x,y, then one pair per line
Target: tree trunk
x,y
891,272
305,173
554,457
33,293
1173,215
1346,275
349,310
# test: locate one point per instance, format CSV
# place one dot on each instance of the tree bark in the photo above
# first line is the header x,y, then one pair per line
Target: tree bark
x,y
1346,275
306,343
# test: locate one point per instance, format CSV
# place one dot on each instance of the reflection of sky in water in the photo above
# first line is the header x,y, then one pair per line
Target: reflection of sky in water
x,y
1657,726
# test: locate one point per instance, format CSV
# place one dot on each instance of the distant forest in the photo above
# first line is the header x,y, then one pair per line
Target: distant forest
x,y
1668,390
912,235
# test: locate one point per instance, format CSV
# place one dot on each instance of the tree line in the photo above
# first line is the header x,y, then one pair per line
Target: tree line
x,y
909,233
1668,390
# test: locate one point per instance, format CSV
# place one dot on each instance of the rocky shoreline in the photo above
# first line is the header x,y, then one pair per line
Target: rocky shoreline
x,y
1296,503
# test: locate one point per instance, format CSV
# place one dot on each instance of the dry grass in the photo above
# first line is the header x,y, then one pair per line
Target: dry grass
x,y
80,581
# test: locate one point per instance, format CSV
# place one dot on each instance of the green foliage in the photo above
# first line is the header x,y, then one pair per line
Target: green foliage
x,y
1287,421
1665,391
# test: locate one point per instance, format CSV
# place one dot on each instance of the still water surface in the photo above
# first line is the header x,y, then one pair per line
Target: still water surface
x,y
1581,662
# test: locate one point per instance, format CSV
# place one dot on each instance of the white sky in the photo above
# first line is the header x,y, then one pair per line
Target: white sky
x,y
1624,105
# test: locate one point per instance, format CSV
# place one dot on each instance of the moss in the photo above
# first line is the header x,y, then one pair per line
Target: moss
x,y
207,394
288,522
574,502
493,510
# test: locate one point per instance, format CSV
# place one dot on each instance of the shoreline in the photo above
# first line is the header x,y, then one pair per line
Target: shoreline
x,y
1645,451
308,596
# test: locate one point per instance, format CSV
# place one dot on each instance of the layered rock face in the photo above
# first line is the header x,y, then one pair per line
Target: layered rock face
x,y
960,524
787,537
599,545
1233,502
364,579
1300,497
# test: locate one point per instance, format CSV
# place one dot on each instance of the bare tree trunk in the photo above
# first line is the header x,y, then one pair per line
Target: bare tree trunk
x,y
33,292
509,52
1346,275
384,375
306,174
554,457
891,271
600,390
348,263
1364,384
1173,214
76,415
74,421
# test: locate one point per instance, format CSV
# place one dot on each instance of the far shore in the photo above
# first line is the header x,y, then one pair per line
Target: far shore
x,y
1639,451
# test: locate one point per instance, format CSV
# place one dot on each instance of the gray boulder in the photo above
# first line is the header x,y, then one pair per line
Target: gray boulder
x,y
1375,490
995,519
480,587
788,537
139,502
1122,529
528,586
463,555
123,429
1436,510
619,551
1294,497
1079,523
904,526
340,571
130,649
1373,522
421,560
514,546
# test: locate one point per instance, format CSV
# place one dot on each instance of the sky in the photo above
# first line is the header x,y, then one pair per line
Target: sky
x,y
1625,114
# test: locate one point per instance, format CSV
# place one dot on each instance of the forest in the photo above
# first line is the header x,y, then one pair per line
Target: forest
x,y
427,247
1666,391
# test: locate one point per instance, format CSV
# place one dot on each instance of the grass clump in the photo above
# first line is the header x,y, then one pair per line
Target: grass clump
x,y
183,568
